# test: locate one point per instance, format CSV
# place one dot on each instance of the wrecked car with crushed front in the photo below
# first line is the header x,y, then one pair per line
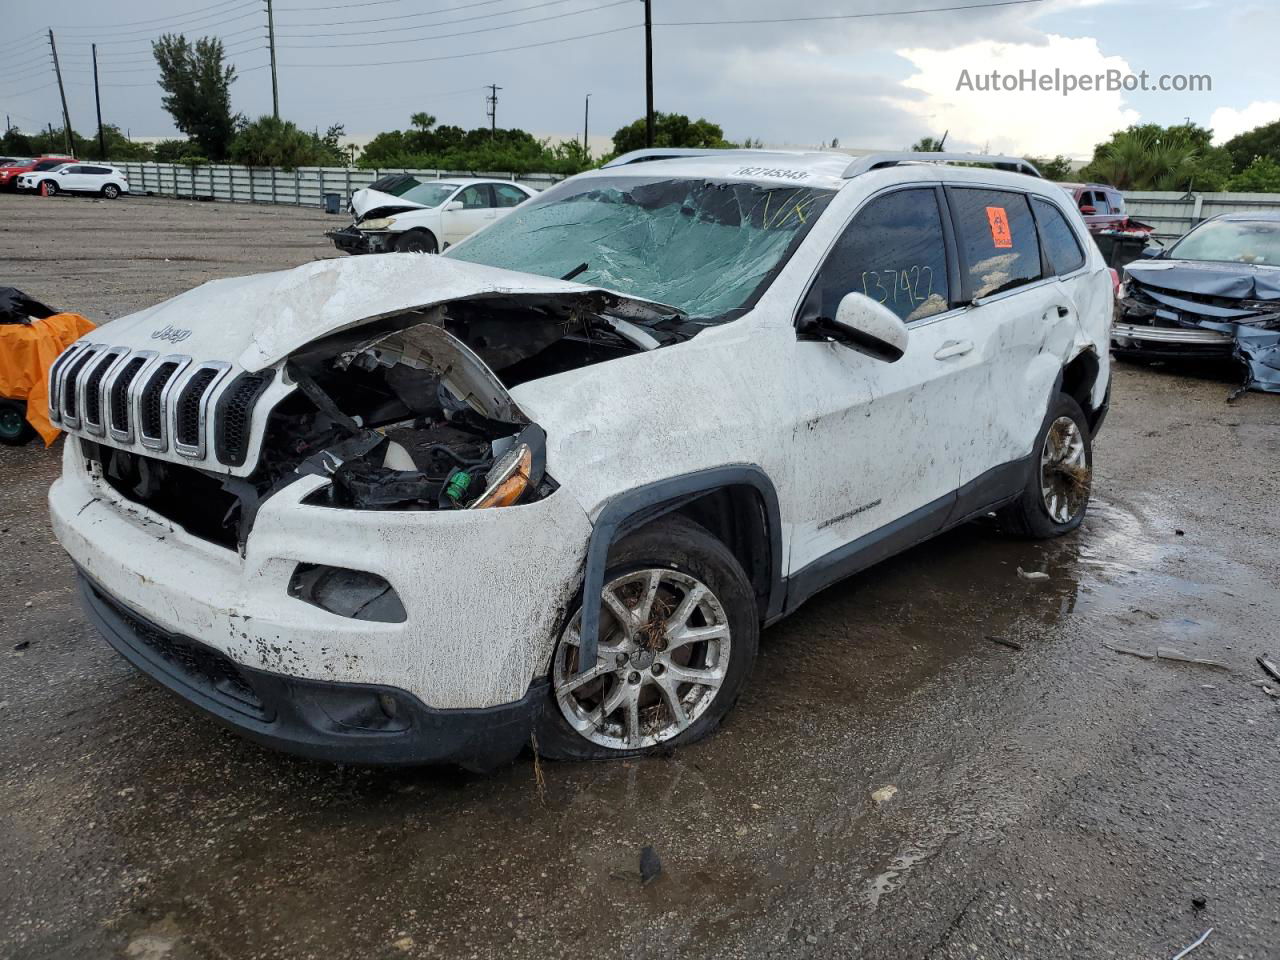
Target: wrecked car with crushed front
x,y
1214,295
552,483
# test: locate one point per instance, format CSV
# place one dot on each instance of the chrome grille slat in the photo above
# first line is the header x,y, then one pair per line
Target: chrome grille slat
x,y
69,394
115,391
89,389
56,372
190,410
153,394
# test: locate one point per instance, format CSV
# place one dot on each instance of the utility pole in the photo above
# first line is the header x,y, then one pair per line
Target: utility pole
x,y
271,42
492,109
66,117
97,102
648,72
586,130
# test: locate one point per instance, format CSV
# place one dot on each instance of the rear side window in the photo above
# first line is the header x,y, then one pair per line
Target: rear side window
x,y
96,170
997,237
1060,243
893,252
509,196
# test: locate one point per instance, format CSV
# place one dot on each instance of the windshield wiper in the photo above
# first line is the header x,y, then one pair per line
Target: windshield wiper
x,y
577,271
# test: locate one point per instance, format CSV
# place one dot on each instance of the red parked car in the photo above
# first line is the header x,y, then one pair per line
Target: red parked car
x,y
9,175
1120,238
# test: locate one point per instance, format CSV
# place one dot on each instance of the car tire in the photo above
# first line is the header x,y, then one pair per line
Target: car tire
x,y
1060,477
48,188
111,191
14,428
417,241
684,558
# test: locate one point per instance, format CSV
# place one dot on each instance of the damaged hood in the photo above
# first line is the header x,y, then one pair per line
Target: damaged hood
x,y
365,202
1236,281
259,320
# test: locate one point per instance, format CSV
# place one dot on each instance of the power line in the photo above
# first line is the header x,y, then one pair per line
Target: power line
x,y
145,35
405,16
442,23
846,16
135,23
342,6
461,33
477,53
219,36
180,21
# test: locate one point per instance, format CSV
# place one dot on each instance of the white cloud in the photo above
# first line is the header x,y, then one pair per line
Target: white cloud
x,y
1227,122
1020,122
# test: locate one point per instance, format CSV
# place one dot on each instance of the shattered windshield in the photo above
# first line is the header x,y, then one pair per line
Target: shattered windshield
x,y
1233,241
708,248
429,194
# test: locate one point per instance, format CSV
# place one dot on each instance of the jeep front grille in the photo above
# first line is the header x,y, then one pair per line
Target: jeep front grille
x,y
165,404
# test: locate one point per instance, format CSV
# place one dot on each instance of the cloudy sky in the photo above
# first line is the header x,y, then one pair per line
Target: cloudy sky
x,y
801,77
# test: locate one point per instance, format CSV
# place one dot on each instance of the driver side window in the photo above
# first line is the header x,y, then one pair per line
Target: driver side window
x,y
893,252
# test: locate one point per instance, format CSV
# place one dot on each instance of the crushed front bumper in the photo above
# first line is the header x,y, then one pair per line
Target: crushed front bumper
x,y
323,720
1170,341
349,240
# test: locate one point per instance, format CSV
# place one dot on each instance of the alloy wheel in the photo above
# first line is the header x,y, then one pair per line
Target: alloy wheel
x,y
1065,476
662,657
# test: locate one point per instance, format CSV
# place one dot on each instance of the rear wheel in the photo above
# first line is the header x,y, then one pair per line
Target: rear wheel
x,y
416,241
14,429
1060,480
48,188
677,639
111,191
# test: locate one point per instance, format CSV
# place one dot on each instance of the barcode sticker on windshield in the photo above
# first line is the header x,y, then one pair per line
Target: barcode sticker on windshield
x,y
1001,235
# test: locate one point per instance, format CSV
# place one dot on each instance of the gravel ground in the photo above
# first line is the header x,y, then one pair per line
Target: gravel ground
x,y
1060,800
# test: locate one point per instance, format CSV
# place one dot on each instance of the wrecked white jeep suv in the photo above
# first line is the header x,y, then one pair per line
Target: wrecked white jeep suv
x,y
423,508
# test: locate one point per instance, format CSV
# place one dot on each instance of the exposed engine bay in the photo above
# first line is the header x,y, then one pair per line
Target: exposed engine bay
x,y
408,412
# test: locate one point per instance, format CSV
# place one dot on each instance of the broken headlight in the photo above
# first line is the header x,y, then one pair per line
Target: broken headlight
x,y
378,223
507,479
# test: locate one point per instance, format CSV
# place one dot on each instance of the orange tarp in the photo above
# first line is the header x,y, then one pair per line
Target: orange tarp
x,y
26,353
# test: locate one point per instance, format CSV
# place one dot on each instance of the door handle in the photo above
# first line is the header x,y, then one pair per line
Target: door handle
x,y
953,348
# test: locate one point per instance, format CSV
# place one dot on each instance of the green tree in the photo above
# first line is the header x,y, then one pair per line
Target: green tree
x,y
1152,157
1261,176
270,142
927,145
197,86
1263,141
671,130
428,146
1052,168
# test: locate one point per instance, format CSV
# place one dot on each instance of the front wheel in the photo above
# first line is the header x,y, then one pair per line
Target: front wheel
x,y
14,429
677,639
416,241
1060,478
48,188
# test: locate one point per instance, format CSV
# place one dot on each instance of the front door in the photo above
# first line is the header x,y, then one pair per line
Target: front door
x,y
878,445
477,212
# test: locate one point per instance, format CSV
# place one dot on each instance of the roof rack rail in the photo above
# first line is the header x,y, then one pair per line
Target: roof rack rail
x,y
679,153
877,161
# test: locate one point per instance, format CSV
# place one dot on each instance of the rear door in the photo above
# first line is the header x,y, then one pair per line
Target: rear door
x,y
1023,323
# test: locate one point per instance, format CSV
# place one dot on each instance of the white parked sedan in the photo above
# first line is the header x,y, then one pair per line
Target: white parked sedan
x,y
99,178
425,216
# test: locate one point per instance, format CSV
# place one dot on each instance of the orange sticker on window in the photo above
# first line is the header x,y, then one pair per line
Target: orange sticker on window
x,y
1001,236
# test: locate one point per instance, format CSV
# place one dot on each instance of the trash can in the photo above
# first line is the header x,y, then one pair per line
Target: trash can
x,y
333,203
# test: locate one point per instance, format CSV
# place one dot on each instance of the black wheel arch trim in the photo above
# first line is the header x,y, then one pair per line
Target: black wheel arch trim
x,y
633,509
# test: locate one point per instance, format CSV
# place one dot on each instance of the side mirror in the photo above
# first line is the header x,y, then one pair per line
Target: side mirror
x,y
453,205
1152,252
1088,210
866,326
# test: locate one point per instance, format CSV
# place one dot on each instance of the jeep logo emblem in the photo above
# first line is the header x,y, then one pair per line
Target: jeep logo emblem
x,y
170,333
